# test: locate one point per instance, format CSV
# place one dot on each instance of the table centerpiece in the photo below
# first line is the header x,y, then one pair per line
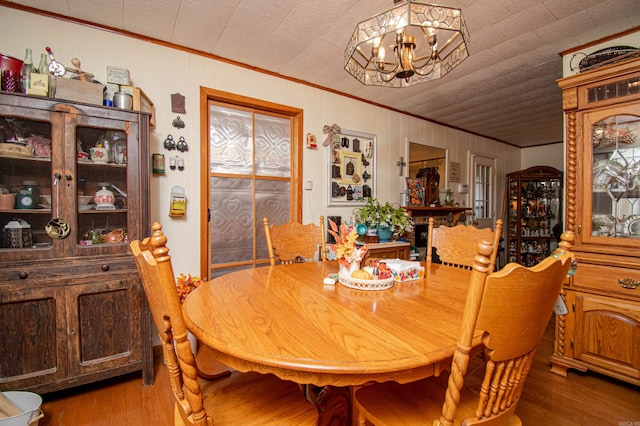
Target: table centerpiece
x,y
350,256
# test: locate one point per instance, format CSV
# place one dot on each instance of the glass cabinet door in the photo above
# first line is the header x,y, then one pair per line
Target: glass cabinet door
x,y
64,170
614,177
100,194
533,216
27,160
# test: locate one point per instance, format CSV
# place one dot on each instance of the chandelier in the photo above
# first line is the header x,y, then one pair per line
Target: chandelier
x,y
408,44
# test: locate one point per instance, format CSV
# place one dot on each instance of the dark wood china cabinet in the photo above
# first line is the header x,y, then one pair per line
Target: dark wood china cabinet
x,y
71,302
534,211
601,331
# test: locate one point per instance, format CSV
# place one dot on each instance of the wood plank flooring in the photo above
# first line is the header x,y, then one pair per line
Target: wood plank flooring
x,y
581,399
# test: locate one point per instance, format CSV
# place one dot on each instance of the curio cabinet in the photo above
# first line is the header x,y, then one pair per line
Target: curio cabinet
x,y
534,214
601,331
74,182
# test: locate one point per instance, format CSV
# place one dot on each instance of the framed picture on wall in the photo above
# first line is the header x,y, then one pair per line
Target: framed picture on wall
x,y
454,171
352,168
416,192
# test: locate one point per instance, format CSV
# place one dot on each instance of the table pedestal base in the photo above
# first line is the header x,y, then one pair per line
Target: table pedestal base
x,y
333,404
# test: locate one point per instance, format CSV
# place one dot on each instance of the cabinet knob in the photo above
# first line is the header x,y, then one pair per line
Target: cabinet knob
x,y
23,275
105,267
67,176
629,283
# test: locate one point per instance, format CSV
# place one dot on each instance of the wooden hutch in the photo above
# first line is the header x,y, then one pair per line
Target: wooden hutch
x,y
601,331
72,306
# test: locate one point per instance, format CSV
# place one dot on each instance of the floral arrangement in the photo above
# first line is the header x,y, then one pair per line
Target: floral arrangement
x,y
374,214
346,249
185,284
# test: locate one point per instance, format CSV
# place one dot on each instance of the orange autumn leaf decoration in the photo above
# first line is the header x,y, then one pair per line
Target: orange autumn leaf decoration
x,y
346,249
185,284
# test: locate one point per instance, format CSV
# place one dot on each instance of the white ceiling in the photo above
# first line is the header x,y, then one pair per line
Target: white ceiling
x,y
505,90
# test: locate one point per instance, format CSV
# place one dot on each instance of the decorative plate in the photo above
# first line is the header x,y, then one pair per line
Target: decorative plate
x,y
57,228
604,55
632,224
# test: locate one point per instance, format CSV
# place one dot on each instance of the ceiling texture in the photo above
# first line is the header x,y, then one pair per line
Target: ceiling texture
x,y
505,90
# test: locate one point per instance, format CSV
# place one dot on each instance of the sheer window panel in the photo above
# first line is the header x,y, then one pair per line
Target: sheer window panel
x,y
273,146
231,226
272,202
230,140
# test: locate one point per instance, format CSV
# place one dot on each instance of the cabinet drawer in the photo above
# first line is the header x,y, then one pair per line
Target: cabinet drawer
x,y
389,251
605,280
61,272
386,254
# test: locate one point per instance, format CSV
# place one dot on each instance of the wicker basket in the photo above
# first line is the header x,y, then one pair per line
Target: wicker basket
x,y
360,284
16,150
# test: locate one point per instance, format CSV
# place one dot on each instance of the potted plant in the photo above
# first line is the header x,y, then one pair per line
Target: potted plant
x,y
384,217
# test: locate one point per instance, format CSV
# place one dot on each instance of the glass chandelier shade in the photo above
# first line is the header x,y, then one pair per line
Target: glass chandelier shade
x,y
408,44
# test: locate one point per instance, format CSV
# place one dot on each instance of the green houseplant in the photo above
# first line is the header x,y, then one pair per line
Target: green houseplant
x,y
384,216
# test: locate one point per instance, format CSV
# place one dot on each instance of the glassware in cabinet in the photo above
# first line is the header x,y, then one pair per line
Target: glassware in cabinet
x,y
615,178
25,174
534,214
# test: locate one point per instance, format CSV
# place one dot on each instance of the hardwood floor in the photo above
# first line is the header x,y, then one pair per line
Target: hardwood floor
x,y
580,400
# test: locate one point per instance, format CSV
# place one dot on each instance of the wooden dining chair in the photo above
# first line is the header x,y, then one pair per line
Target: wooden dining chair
x,y
456,245
512,307
294,242
242,398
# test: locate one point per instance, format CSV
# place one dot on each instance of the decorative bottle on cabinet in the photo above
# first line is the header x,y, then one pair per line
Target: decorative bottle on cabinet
x,y
26,70
534,214
601,331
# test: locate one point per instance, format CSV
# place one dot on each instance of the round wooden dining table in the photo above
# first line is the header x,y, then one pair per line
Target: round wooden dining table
x,y
284,320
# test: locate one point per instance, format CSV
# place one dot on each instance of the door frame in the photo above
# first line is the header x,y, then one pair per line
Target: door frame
x,y
297,115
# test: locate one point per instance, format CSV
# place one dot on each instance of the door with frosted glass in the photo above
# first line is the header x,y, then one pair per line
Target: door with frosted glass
x,y
250,166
